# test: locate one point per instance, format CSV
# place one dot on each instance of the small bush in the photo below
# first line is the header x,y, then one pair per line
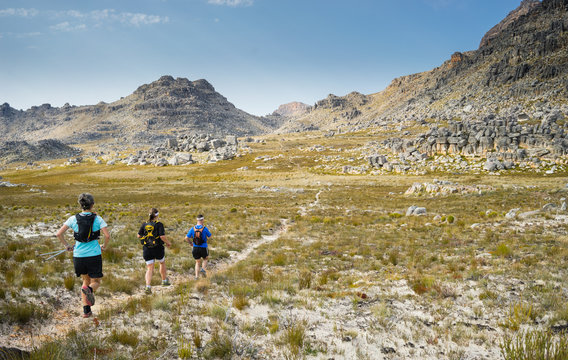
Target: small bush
x,y
503,251
532,345
233,210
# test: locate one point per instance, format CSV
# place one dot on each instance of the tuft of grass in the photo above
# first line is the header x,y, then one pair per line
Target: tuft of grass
x,y
184,348
69,282
23,313
197,340
124,337
119,284
240,301
30,279
279,259
220,346
257,274
162,303
519,314
218,312
532,345
305,280
294,338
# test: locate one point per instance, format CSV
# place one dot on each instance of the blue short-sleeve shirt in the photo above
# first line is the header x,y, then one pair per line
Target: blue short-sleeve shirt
x,y
205,234
91,248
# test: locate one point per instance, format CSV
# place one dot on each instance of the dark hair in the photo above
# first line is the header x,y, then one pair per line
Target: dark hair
x,y
153,214
86,201
200,217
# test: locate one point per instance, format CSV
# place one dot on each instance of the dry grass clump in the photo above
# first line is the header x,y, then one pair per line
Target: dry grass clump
x,y
532,345
124,337
23,313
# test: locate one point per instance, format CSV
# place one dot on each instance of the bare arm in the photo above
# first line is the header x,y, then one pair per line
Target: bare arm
x,y
107,238
164,239
61,237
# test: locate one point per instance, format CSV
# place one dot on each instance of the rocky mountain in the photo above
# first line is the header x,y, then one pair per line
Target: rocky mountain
x,y
519,71
292,109
153,111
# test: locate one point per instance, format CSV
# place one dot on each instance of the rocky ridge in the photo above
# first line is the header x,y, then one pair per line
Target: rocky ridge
x,y
520,69
146,116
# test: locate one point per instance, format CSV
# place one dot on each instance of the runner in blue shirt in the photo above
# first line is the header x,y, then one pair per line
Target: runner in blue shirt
x,y
199,233
87,258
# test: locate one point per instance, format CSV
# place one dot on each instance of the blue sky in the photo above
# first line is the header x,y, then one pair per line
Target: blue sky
x,y
257,53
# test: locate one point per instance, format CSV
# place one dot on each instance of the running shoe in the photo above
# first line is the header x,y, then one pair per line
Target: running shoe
x,y
89,295
148,290
166,282
89,314
203,272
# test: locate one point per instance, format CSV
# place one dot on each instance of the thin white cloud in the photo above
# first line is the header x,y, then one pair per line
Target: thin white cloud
x,y
19,12
111,15
67,27
232,3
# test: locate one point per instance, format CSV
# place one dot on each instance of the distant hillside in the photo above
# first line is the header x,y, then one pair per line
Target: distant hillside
x,y
292,109
520,70
162,107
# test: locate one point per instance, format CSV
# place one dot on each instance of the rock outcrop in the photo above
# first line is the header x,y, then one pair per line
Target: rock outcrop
x,y
23,151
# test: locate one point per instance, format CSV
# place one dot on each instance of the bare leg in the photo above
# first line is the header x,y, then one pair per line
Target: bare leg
x,y
95,283
197,267
163,270
86,282
149,273
204,264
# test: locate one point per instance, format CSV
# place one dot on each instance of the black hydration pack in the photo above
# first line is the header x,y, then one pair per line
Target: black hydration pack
x,y
85,223
149,239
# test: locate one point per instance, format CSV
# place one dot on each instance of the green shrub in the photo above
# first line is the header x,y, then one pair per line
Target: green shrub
x,y
30,279
502,250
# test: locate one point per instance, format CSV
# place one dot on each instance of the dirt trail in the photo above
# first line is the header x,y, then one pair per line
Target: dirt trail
x,y
67,318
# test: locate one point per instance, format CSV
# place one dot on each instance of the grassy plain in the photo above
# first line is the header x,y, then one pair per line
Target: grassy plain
x,y
348,275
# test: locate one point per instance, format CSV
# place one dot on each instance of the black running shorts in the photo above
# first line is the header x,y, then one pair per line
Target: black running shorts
x,y
91,265
200,252
156,253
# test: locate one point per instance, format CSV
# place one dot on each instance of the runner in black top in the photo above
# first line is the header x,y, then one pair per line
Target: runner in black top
x,y
153,237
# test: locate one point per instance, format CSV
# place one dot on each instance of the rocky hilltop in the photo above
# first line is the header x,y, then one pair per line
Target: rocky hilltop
x,y
292,109
520,71
162,107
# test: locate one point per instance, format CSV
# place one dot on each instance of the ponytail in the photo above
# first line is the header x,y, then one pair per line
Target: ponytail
x,y
153,214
